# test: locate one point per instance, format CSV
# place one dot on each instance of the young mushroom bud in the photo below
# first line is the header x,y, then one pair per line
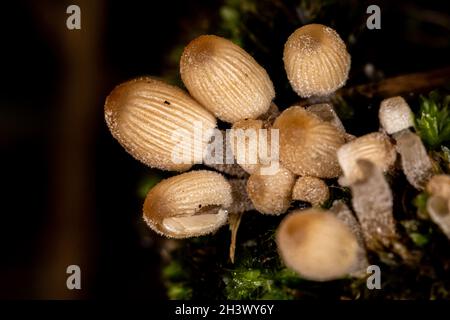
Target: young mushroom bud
x,y
316,61
395,115
439,185
438,204
439,210
148,117
190,204
318,245
311,189
375,147
416,163
308,145
271,194
225,79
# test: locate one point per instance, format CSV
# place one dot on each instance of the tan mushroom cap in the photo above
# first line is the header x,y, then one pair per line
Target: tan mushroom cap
x,y
311,189
145,115
225,79
439,185
316,60
308,145
271,194
317,245
189,204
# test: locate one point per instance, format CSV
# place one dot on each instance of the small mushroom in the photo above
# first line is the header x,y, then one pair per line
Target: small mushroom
x,y
308,145
225,79
395,115
373,202
416,163
271,194
145,115
317,245
311,189
439,210
316,60
190,204
439,185
438,204
375,147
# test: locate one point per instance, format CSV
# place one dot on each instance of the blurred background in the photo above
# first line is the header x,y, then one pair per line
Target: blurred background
x,y
71,194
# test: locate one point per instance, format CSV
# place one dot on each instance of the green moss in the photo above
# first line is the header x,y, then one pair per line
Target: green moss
x,y
433,120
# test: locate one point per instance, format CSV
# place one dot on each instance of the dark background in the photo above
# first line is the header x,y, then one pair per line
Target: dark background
x,y
70,193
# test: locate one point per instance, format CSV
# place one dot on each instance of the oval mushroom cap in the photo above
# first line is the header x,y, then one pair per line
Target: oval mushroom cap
x,y
152,120
316,60
439,185
311,189
317,245
308,145
225,79
190,204
271,194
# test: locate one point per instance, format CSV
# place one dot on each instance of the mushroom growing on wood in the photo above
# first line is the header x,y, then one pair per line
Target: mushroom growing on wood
x,y
190,204
308,144
318,245
146,115
316,61
225,79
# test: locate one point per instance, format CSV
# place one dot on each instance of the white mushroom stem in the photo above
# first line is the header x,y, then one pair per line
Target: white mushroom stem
x,y
372,201
416,163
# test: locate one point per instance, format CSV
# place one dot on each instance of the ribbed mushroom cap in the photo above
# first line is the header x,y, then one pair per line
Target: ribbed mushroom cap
x,y
317,245
316,60
189,204
147,115
308,145
225,79
375,147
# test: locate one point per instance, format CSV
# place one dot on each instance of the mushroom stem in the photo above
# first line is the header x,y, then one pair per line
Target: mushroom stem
x,y
234,219
416,163
373,202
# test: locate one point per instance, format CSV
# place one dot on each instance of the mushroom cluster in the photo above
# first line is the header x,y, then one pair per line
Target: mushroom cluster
x,y
225,83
